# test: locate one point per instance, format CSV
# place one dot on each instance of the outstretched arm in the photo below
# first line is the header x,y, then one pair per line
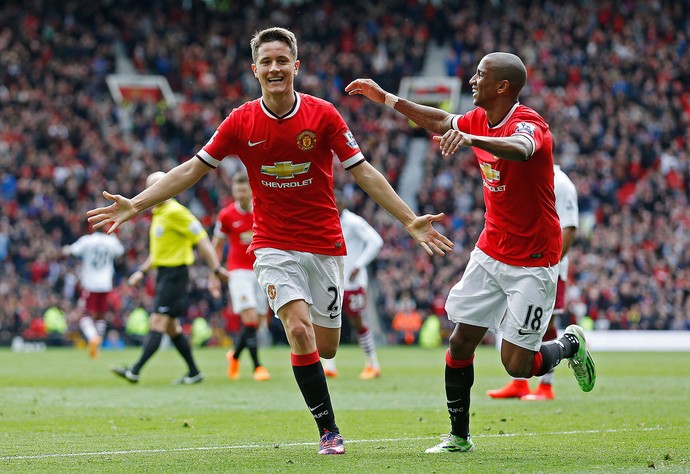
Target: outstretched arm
x,y
514,148
181,177
433,119
419,227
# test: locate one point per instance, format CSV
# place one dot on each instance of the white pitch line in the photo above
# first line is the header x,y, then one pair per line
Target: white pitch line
x,y
279,445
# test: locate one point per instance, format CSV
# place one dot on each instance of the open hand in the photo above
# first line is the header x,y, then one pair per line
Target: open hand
x,y
429,238
121,210
367,88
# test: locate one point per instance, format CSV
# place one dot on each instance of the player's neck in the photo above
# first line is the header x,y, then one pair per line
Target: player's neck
x,y
279,104
498,111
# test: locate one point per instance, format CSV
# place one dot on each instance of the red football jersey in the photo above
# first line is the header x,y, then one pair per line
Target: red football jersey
x,y
289,162
236,224
522,226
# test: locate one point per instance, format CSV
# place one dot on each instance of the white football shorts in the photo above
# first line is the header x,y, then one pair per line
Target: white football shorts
x,y
288,275
245,292
517,300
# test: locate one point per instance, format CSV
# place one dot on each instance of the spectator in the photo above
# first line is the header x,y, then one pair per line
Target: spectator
x,y
407,322
620,120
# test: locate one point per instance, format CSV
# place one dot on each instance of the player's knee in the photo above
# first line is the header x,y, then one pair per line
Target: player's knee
x,y
299,332
516,368
328,352
459,346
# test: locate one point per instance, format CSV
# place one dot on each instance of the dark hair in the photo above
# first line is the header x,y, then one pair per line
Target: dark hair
x,y
273,34
240,177
508,67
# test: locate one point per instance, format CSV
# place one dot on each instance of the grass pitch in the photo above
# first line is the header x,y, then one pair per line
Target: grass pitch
x,y
61,412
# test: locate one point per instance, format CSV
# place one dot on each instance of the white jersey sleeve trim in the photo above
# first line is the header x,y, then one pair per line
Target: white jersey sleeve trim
x,y
355,159
454,122
207,159
217,231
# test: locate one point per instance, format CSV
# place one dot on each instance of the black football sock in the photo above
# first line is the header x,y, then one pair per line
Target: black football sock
x,y
241,342
152,342
570,343
553,352
185,350
459,381
312,383
252,345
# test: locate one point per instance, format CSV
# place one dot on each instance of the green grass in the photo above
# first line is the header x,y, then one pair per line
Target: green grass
x,y
61,412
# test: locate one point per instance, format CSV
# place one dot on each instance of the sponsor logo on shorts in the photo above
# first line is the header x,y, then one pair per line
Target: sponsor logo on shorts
x,y
526,333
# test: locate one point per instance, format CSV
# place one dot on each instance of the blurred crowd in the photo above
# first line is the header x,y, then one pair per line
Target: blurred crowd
x,y
612,78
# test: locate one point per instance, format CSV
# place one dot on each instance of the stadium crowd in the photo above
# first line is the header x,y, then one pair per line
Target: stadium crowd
x,y
612,78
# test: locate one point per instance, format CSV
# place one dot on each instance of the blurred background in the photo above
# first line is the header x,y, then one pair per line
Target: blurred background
x,y
612,78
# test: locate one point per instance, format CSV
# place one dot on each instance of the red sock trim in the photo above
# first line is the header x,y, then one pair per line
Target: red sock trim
x,y
300,360
458,364
251,325
538,362
362,330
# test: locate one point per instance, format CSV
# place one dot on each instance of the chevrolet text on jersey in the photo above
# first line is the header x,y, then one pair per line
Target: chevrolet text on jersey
x,y
287,184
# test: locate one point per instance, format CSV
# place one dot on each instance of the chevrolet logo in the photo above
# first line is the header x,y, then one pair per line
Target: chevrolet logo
x,y
285,169
489,173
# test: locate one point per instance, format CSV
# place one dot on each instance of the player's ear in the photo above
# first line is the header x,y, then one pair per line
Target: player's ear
x,y
296,67
254,70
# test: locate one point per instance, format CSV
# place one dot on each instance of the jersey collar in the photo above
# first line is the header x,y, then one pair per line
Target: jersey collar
x,y
242,211
507,116
291,112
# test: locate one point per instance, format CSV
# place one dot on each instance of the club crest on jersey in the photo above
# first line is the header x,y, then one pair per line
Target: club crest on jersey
x,y
271,291
524,127
351,142
285,169
306,140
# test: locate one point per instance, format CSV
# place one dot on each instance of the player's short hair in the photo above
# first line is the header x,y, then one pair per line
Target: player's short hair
x,y
240,177
273,34
508,67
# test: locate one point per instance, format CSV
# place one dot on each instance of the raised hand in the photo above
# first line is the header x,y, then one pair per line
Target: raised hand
x,y
121,210
367,88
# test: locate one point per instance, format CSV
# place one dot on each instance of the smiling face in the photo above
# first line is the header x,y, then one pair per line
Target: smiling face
x,y
484,85
499,79
275,67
